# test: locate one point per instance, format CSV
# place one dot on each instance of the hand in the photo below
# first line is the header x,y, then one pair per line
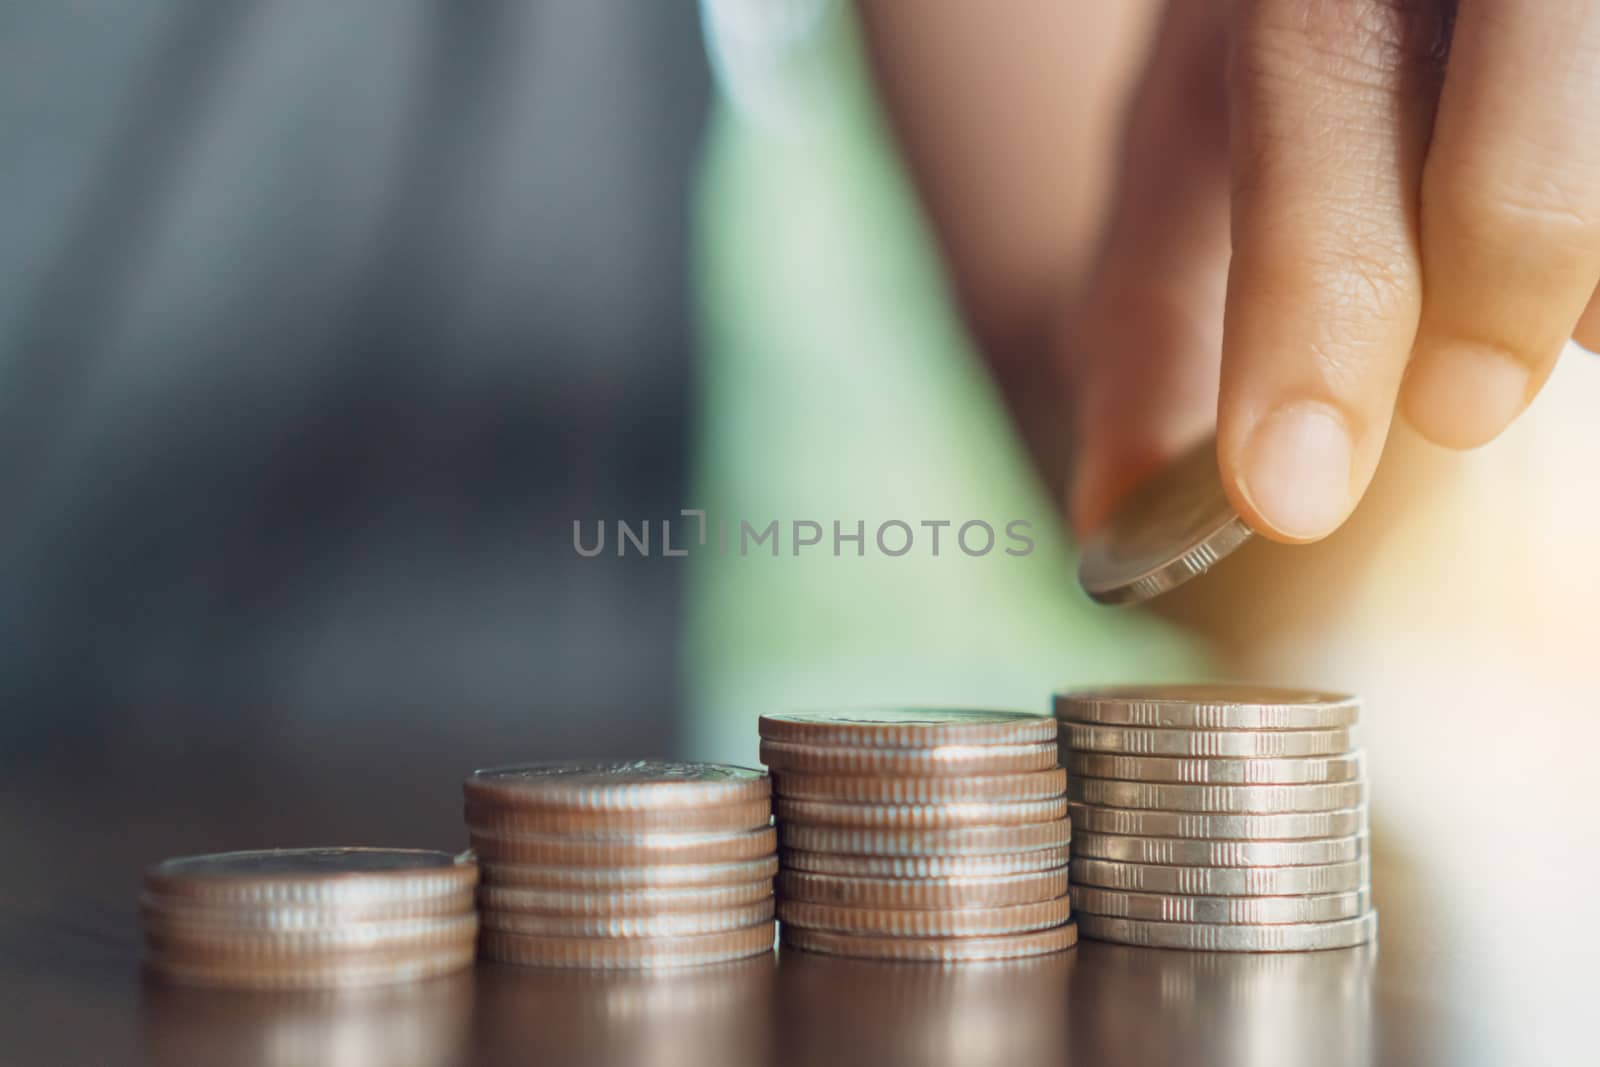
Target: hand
x,y
1411,198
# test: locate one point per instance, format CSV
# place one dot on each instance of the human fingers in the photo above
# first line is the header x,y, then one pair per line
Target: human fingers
x,y
1331,104
1510,214
1145,339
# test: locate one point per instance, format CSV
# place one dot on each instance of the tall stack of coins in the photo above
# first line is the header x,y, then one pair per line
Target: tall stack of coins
x,y
623,865
920,834
1225,818
314,918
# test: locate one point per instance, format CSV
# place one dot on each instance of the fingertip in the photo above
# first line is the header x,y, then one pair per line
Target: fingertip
x,y
1587,332
1462,396
1292,477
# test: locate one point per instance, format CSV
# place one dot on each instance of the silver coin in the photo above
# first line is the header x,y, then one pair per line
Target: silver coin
x,y
1289,825
654,901
295,917
344,878
944,950
340,973
985,789
660,924
1167,907
919,816
1174,527
960,841
175,936
907,727
922,893
1215,937
1237,799
1209,707
638,877
1308,770
977,921
1177,852
622,850
1247,744
962,760
1222,881
628,953
616,785
981,866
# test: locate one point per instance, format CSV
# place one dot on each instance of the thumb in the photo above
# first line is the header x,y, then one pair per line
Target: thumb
x,y
1144,343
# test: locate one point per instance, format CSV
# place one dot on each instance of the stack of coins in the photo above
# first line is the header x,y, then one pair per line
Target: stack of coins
x,y
314,918
623,865
920,834
1227,818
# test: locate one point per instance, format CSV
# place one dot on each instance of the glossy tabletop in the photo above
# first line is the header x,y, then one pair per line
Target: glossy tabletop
x,y
72,991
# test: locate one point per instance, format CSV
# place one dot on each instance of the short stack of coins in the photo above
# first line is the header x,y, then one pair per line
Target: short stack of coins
x,y
314,918
623,865
934,835
1220,818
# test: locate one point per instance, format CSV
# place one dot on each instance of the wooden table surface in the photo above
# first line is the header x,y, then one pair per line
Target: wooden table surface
x,y
71,991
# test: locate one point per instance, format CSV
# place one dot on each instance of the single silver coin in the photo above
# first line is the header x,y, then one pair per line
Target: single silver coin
x,y
925,867
922,893
622,879
1222,881
1178,852
906,727
1287,825
1237,799
881,789
1307,770
919,816
1170,529
616,785
658,924
1168,907
958,841
980,921
1216,937
956,760
313,916
177,935
345,878
653,901
1209,707
1247,744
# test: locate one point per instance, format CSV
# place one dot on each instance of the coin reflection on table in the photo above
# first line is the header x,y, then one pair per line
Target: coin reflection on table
x,y
711,1016
843,1011
422,1023
1240,1009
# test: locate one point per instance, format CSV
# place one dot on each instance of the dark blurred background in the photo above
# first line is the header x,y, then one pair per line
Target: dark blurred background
x,y
318,325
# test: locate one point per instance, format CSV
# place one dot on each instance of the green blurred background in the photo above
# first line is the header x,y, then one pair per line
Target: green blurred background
x,y
836,382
